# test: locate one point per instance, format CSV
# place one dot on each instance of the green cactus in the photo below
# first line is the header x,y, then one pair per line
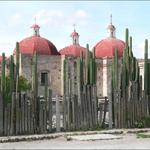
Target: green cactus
x,y
78,61
11,74
116,69
127,38
87,64
3,77
94,67
35,88
34,75
81,70
130,85
91,71
130,48
17,65
146,67
64,76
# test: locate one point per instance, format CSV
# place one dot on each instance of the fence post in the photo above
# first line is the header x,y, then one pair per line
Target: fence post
x,y
57,115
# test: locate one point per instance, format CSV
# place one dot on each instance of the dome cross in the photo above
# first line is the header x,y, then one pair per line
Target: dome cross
x,y
110,18
75,36
111,29
74,25
35,28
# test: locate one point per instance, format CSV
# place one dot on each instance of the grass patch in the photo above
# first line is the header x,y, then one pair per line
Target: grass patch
x,y
143,135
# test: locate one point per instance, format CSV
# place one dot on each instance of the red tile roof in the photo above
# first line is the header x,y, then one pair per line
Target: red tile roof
x,y
73,50
41,45
106,47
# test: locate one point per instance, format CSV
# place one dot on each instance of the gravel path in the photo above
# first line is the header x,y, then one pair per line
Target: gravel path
x,y
129,141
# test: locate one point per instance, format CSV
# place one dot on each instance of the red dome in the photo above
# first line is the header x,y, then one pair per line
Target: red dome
x,y
41,45
73,50
106,47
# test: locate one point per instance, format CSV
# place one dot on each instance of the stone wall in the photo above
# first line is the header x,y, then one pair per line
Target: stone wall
x,y
52,64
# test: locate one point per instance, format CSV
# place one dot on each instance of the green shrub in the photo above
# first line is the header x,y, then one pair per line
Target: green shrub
x,y
143,123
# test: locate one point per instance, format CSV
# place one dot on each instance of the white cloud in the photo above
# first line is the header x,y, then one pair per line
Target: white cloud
x,y
7,46
78,17
16,19
60,18
138,50
52,17
81,13
140,46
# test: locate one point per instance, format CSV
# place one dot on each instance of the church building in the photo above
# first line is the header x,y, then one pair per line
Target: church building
x,y
50,59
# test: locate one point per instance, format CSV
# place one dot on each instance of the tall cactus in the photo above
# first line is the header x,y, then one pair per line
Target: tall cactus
x,y
3,77
146,67
127,58
115,70
34,84
12,74
130,48
17,66
81,70
127,38
129,86
34,74
87,65
94,67
85,100
91,71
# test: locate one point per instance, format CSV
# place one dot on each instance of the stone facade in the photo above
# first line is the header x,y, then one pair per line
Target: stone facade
x,y
49,64
53,64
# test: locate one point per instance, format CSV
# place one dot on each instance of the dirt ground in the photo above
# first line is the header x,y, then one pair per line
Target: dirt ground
x,y
129,141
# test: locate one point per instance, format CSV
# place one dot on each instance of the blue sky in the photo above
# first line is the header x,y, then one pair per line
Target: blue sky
x,y
57,17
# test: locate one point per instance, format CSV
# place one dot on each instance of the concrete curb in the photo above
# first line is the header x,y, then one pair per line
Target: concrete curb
x,y
94,137
65,134
28,137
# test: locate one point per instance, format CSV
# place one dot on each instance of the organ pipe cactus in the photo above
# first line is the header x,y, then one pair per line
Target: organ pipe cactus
x,y
129,85
17,65
94,67
34,79
115,70
87,65
3,77
12,73
91,71
85,99
146,67
127,38
81,69
34,86
34,74
130,48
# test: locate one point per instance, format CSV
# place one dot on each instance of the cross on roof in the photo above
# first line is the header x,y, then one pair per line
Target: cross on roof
x,y
35,20
110,18
74,25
